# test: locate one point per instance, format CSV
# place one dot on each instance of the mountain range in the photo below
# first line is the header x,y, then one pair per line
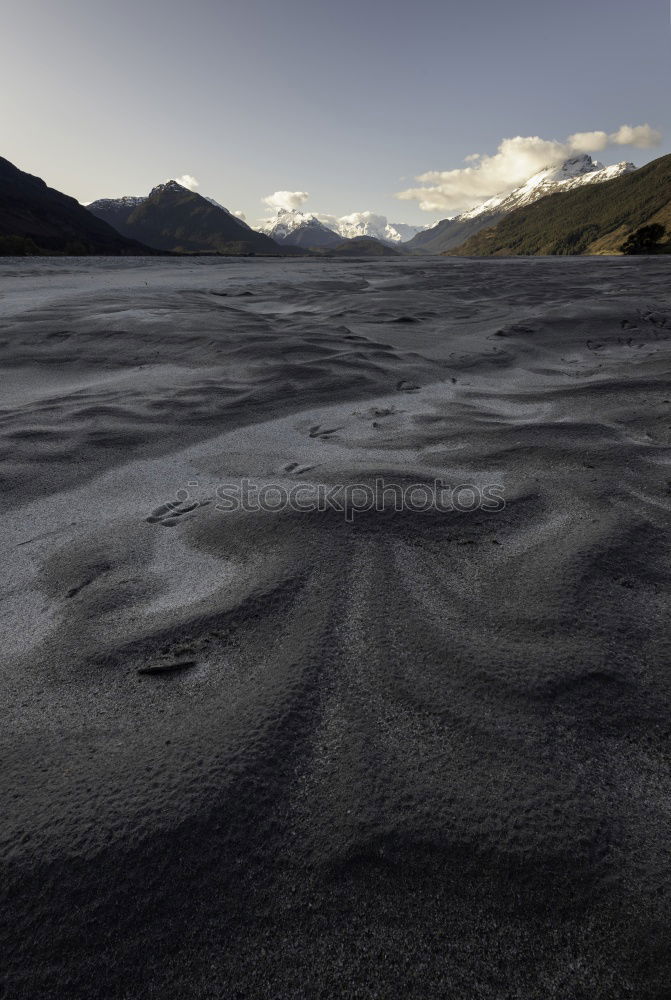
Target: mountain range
x,y
170,219
293,227
573,173
173,218
580,207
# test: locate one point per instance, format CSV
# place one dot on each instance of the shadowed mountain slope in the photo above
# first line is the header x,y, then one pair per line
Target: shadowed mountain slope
x,y
34,217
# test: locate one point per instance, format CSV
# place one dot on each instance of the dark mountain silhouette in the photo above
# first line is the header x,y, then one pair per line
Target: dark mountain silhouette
x,y
35,218
174,218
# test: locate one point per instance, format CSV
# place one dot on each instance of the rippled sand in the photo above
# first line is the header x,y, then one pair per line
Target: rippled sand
x,y
410,755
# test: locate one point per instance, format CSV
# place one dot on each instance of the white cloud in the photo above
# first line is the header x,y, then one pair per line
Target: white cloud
x,y
364,224
514,162
187,181
588,142
286,201
240,215
641,136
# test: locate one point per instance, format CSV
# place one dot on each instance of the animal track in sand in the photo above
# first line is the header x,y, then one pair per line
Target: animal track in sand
x,y
168,513
161,669
296,469
382,411
323,433
97,571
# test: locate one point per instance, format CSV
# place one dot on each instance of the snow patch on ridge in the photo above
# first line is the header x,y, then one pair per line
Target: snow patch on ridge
x,y
574,172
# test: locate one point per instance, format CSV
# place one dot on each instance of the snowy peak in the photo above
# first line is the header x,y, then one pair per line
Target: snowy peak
x,y
576,170
297,228
376,226
576,166
285,222
572,173
350,227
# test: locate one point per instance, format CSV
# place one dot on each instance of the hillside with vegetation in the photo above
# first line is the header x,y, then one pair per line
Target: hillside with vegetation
x,y
596,219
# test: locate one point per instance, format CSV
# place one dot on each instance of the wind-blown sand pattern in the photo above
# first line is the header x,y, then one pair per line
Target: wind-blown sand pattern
x,y
287,756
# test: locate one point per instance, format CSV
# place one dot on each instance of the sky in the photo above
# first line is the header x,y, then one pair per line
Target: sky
x,y
346,101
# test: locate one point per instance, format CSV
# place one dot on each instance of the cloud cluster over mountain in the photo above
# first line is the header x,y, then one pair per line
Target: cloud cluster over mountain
x,y
515,160
188,181
286,201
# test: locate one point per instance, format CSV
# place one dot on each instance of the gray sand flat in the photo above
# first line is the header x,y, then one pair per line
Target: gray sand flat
x,y
283,755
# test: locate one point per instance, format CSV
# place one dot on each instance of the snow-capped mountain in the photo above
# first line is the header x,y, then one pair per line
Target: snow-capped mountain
x,y
370,224
574,172
286,222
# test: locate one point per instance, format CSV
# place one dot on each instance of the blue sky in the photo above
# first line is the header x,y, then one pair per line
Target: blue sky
x,y
348,101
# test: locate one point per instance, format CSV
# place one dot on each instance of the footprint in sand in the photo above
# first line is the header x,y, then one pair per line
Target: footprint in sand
x,y
294,469
96,572
168,513
323,433
161,669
